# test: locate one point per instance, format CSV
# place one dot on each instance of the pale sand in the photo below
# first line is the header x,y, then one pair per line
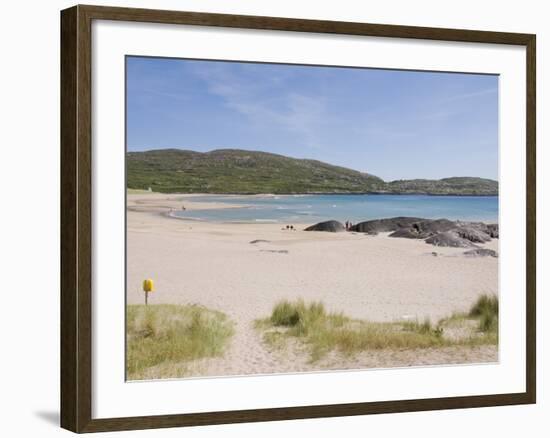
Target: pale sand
x,y
162,203
370,277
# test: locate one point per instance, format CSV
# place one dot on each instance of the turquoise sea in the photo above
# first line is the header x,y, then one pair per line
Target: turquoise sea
x,y
356,208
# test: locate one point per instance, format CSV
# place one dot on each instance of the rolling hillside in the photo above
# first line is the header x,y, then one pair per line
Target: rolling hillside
x,y
445,186
248,172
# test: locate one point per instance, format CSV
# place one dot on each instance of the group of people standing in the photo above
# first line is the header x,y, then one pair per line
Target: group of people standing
x,y
349,224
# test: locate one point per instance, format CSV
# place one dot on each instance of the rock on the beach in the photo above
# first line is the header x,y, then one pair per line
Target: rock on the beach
x,y
425,228
449,238
409,227
493,230
473,235
384,225
480,252
490,229
330,226
439,232
407,233
434,226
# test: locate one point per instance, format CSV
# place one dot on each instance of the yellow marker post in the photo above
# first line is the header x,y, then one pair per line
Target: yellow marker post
x,y
148,286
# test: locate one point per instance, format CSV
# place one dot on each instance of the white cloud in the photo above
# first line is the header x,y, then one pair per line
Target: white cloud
x,y
470,95
269,102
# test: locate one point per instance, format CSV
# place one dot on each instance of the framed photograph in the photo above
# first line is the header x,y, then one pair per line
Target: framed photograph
x,y
270,218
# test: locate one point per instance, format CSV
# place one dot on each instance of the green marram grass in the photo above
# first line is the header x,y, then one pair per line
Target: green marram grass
x,y
324,331
166,337
485,309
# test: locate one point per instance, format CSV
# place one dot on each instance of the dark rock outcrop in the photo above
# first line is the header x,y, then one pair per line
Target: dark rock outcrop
x,y
427,228
438,232
473,235
449,238
490,229
480,252
407,233
409,227
493,230
384,225
330,226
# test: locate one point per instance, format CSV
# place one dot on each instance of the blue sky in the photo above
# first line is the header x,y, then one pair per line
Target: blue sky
x,y
394,124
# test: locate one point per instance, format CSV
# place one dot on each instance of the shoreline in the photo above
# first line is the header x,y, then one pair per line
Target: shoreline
x,y
169,204
473,195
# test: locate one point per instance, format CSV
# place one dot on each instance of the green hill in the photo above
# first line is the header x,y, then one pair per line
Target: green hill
x,y
248,172
445,186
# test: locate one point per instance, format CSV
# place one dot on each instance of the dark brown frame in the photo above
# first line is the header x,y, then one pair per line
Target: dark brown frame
x,y
76,236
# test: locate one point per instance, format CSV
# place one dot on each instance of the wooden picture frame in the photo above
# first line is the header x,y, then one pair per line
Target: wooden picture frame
x,y
76,218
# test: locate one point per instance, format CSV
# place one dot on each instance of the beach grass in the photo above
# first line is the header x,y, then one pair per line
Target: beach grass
x,y
167,336
485,309
324,331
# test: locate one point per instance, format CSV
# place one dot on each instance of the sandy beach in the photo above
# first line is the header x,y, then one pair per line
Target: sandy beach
x,y
378,278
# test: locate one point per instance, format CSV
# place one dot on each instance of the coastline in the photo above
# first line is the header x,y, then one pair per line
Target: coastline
x,y
171,204
379,192
370,277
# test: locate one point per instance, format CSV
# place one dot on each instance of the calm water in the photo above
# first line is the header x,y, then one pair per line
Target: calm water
x,y
355,208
